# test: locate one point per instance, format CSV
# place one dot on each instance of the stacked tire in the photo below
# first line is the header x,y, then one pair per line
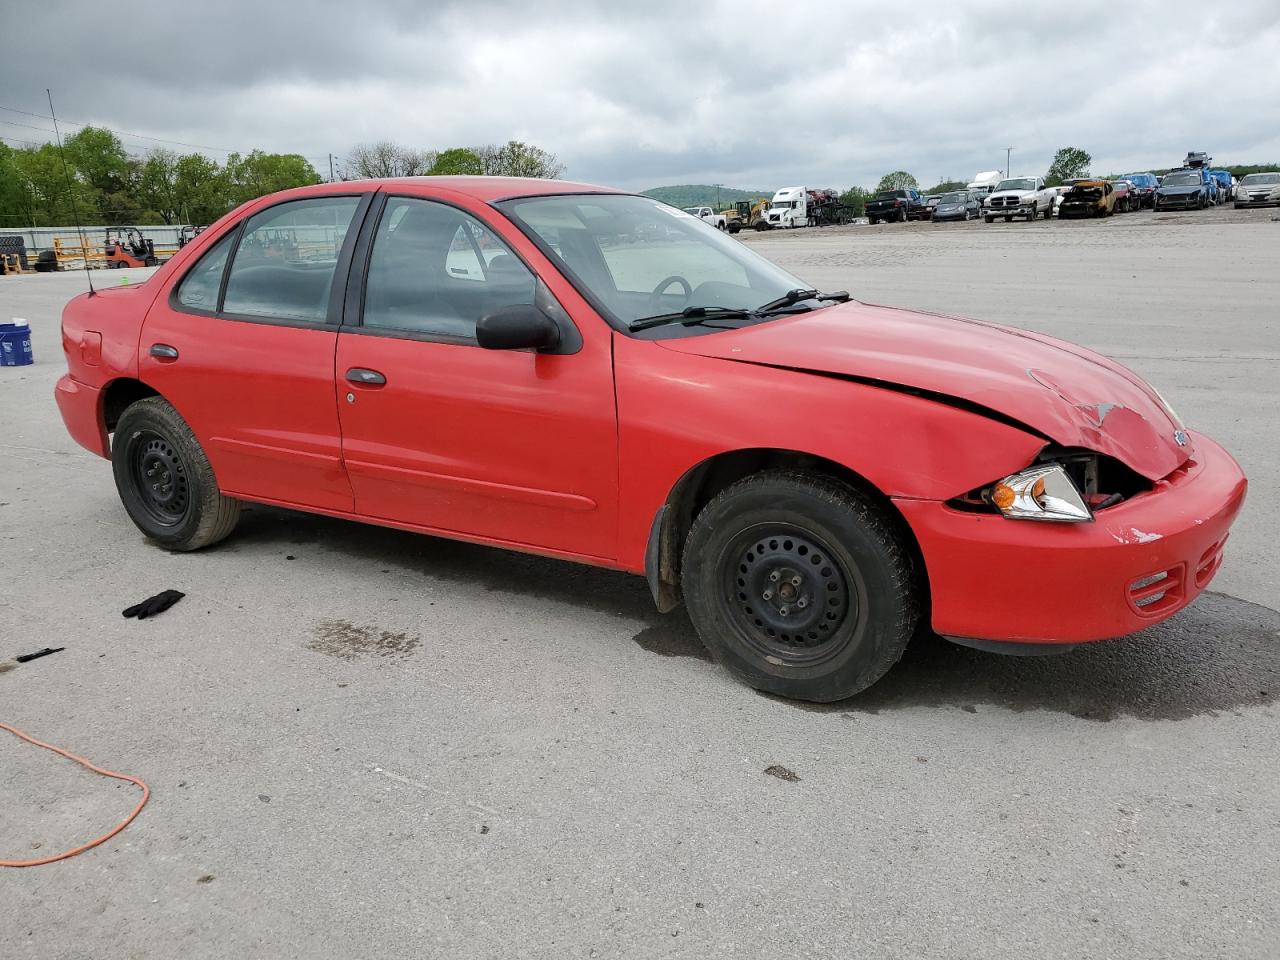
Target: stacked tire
x,y
14,244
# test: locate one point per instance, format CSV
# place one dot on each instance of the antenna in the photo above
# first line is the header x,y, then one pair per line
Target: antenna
x,y
71,189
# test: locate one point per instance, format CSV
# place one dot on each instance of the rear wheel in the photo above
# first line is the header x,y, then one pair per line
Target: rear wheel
x,y
800,585
989,219
165,481
902,216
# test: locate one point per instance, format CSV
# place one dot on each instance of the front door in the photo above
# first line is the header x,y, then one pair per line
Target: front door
x,y
244,346
503,445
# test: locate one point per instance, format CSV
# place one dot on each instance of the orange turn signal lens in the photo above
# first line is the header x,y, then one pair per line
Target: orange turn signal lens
x,y
1002,496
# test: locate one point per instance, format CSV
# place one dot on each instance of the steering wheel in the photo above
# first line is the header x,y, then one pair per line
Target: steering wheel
x,y
655,301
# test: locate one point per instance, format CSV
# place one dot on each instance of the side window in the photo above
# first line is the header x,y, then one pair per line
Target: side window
x,y
199,288
435,270
284,266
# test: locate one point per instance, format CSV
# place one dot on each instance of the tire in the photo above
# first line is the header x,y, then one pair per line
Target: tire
x,y
902,216
1008,219
1048,211
989,219
822,539
184,510
872,221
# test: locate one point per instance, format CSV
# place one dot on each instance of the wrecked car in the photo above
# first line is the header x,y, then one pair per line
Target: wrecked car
x,y
493,360
1087,198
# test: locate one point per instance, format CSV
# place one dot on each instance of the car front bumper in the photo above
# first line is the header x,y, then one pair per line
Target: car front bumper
x,y
1029,582
1189,200
1019,211
1242,202
80,406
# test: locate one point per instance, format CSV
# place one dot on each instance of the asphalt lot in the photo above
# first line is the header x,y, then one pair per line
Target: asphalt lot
x,y
363,742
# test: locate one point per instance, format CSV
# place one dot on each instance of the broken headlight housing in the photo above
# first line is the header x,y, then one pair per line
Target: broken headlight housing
x,y
1043,492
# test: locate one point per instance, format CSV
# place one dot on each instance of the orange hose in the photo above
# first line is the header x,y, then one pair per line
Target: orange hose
x,y
146,794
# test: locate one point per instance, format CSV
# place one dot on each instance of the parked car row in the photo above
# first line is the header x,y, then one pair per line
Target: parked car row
x,y
1027,198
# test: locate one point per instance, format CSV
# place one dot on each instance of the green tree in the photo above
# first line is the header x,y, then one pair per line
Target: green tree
x,y
200,190
946,186
855,198
258,173
898,180
456,161
1069,163
100,162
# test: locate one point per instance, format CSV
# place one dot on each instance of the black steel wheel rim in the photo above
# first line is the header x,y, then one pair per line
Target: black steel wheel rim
x,y
787,594
159,478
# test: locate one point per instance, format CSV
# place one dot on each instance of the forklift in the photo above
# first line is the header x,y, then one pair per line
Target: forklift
x,y
127,247
189,233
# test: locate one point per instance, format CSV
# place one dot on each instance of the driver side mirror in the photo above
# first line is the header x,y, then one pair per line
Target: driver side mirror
x,y
518,327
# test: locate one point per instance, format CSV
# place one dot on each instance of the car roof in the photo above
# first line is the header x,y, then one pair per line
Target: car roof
x,y
484,189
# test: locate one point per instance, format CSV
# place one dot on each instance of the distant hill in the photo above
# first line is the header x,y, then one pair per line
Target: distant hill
x,y
703,195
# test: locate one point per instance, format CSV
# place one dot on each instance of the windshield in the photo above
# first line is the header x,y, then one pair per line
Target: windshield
x,y
693,210
1182,180
634,257
1019,183
1259,179
952,198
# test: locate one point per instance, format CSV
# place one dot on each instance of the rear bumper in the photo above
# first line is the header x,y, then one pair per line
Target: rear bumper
x,y
80,406
1027,582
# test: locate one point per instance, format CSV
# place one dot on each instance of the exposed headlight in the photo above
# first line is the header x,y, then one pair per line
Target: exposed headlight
x,y
1040,493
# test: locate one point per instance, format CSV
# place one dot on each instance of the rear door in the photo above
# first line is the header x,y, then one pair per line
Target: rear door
x,y
243,346
503,445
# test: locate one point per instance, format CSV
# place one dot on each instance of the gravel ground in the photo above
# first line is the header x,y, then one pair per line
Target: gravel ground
x,y
367,743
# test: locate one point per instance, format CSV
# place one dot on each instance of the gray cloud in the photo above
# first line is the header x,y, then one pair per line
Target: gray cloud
x,y
746,93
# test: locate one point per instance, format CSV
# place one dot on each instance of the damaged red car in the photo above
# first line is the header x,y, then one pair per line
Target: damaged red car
x,y
571,371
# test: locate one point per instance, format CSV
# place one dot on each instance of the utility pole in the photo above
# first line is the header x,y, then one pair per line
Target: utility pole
x,y
331,168
1008,162
718,186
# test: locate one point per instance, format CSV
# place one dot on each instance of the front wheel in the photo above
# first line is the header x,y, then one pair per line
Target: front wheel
x,y
165,481
989,219
800,585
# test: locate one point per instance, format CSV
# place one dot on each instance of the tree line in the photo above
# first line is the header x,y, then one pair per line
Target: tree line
x,y
102,183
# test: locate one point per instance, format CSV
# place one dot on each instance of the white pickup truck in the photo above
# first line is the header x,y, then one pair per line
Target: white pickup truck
x,y
1018,197
717,220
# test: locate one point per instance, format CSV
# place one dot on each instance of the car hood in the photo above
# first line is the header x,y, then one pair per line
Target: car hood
x,y
1013,193
1063,392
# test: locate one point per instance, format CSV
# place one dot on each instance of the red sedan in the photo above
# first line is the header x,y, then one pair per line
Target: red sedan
x,y
572,371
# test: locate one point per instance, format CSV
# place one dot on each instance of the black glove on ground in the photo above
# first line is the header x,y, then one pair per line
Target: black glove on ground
x,y
153,605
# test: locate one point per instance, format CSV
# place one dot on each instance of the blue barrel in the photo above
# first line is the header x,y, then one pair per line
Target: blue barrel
x,y
15,344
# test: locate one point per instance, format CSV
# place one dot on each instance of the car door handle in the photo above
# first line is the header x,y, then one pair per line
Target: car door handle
x,y
162,351
368,378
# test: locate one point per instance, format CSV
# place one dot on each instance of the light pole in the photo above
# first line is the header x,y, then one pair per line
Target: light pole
x,y
718,186
1008,160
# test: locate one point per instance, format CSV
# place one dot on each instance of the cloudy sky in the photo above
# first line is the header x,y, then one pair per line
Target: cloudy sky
x,y
748,94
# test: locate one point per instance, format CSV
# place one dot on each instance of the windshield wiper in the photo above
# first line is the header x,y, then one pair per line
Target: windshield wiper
x,y
688,316
792,297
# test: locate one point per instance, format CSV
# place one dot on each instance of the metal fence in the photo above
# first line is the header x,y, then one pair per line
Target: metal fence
x,y
41,238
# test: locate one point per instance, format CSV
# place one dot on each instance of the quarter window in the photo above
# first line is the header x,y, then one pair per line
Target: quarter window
x,y
435,270
283,268
199,288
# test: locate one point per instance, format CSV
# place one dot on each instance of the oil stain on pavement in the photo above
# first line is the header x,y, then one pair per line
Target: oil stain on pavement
x,y
340,638
1218,655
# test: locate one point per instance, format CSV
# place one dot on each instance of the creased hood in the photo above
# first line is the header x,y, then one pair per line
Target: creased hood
x,y
1067,393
